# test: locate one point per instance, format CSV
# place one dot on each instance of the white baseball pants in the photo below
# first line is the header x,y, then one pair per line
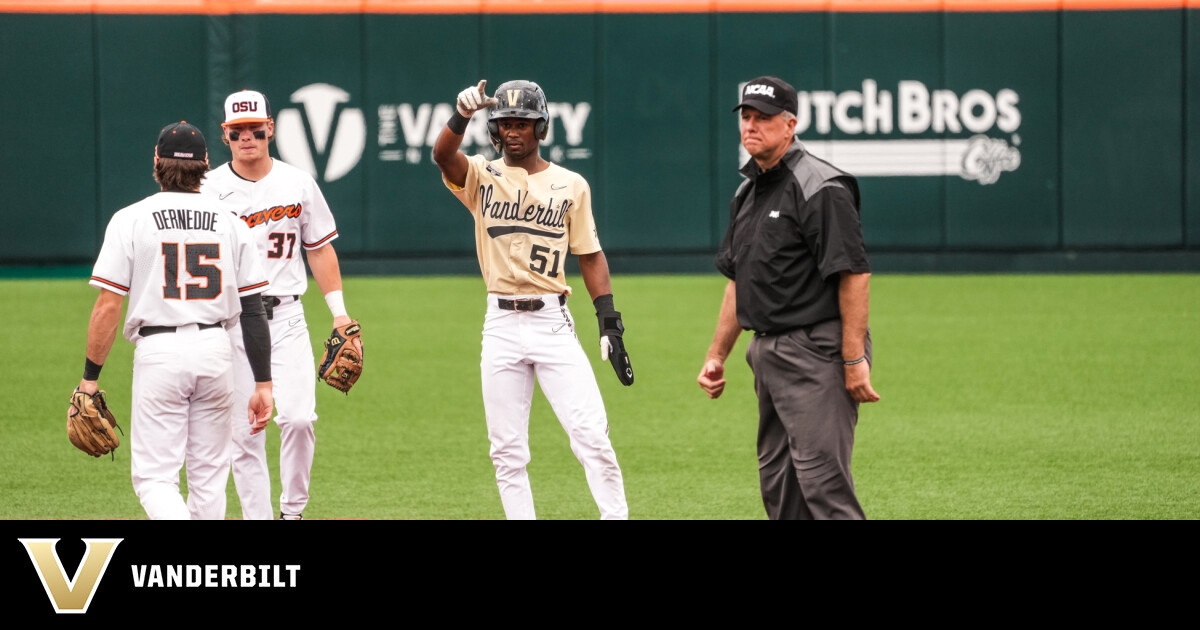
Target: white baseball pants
x,y
519,346
294,383
182,396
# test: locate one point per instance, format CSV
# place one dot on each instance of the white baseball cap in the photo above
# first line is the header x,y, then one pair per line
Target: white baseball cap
x,y
246,106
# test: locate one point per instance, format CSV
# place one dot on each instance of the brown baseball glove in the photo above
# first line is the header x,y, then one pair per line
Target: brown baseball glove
x,y
342,363
91,426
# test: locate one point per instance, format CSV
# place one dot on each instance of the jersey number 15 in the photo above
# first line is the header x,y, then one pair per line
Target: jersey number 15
x,y
193,252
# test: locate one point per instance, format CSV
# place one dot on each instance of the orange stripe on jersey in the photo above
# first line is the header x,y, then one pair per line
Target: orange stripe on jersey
x,y
110,283
321,242
254,286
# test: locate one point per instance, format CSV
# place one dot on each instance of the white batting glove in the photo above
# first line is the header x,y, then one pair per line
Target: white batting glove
x,y
474,99
605,348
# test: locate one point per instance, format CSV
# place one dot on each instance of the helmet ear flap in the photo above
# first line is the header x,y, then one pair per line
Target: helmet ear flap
x,y
494,133
539,129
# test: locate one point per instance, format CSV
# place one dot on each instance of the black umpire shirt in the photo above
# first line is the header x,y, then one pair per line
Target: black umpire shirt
x,y
792,230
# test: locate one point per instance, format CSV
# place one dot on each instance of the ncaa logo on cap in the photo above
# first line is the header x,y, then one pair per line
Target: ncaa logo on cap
x,y
769,95
765,90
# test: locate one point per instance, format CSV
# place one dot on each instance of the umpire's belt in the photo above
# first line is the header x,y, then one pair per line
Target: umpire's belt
x,y
807,328
146,331
526,304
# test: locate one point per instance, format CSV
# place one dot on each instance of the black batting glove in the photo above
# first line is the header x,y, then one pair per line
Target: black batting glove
x,y
612,345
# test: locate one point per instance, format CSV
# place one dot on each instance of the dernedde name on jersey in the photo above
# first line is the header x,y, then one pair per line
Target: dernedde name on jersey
x,y
172,219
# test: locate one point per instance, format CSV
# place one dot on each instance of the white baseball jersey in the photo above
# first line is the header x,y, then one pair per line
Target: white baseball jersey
x,y
524,224
285,210
182,259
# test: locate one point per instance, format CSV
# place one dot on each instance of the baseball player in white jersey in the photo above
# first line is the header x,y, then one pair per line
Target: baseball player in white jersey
x,y
285,211
528,212
190,270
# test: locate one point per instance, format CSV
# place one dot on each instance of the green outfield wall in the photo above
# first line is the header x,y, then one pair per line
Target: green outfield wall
x,y
993,137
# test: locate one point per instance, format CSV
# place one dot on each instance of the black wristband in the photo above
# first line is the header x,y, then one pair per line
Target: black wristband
x,y
607,316
458,123
91,371
604,303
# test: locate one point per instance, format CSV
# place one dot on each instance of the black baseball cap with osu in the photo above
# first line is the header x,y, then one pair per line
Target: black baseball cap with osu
x,y
181,141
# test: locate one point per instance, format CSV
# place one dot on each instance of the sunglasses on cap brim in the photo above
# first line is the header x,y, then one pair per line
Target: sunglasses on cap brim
x,y
259,134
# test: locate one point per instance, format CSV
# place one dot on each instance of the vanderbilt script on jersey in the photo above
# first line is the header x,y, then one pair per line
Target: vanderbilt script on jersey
x,y
526,224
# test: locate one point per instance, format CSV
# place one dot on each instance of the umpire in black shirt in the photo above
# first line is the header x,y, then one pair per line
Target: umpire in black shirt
x,y
799,278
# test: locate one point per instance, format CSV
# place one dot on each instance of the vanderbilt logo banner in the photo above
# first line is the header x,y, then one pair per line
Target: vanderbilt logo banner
x,y
68,570
103,571
72,595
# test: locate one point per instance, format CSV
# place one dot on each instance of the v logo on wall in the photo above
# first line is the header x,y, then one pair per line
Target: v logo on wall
x,y
322,136
74,595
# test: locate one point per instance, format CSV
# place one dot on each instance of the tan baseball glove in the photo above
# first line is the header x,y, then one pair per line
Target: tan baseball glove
x,y
91,426
342,363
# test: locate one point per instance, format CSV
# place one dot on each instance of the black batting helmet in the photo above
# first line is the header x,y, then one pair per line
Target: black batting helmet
x,y
519,99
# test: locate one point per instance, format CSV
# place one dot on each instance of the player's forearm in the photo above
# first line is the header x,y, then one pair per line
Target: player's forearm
x,y
326,270
593,268
728,328
446,146
451,161
854,301
328,273
102,327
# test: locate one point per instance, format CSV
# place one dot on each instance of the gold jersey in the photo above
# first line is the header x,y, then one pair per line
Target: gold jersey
x,y
525,224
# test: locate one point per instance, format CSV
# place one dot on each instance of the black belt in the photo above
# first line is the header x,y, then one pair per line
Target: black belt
x,y
271,301
146,331
527,304
275,301
807,328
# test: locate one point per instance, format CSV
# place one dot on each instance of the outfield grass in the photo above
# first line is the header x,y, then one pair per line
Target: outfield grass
x,y
1004,397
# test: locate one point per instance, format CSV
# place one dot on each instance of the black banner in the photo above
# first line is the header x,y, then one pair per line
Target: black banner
x,y
281,571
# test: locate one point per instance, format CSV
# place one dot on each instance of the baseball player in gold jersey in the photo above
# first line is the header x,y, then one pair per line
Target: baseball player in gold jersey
x,y
528,213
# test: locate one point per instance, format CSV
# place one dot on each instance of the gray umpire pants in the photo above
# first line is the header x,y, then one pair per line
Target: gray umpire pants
x,y
806,423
